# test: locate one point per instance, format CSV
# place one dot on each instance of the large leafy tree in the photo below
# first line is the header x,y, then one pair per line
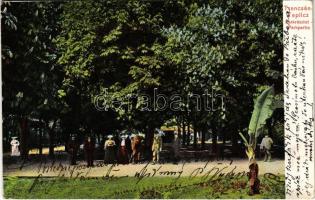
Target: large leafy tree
x,y
106,49
56,64
30,76
233,48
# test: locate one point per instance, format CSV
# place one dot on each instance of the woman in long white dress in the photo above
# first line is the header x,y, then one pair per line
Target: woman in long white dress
x,y
15,147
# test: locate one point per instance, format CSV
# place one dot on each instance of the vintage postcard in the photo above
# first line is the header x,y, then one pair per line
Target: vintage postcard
x,y
157,99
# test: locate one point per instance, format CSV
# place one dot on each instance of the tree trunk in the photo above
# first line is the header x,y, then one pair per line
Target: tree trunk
x,y
148,143
40,141
214,141
66,141
98,137
51,143
178,131
195,137
222,146
188,133
24,133
235,146
203,137
184,133
51,134
223,137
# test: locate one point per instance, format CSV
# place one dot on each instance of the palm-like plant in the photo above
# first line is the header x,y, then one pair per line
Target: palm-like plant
x,y
264,107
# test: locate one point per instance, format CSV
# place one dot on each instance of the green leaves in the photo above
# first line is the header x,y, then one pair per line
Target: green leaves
x,y
30,75
113,35
262,111
61,93
134,46
243,138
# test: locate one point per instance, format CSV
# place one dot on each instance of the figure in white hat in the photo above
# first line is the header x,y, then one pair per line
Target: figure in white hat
x,y
15,147
109,147
123,157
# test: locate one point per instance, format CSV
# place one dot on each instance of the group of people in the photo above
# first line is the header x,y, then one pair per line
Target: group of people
x,y
123,150
127,149
117,151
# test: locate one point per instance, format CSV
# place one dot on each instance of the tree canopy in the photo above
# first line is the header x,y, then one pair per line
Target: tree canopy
x,y
59,58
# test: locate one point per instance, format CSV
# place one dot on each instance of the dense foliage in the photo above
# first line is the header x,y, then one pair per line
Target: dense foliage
x,y
59,57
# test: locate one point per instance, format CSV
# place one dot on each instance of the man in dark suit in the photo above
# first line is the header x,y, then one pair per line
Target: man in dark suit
x,y
89,147
73,148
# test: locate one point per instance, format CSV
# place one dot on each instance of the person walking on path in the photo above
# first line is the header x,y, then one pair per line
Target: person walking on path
x,y
15,147
123,157
137,148
109,147
156,147
89,147
73,150
265,146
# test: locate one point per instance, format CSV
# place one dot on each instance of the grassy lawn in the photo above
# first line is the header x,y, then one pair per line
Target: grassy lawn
x,y
127,187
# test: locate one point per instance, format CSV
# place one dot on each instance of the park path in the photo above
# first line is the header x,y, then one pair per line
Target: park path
x,y
188,169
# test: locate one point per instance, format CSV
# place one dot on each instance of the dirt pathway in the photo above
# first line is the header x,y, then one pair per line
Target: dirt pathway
x,y
62,168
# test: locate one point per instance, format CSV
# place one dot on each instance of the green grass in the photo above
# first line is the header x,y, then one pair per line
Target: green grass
x,y
156,187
